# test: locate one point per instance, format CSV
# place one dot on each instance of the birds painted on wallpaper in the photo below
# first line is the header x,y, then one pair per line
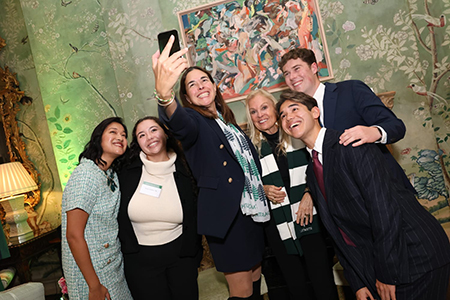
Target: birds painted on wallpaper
x,y
74,49
373,2
422,91
64,3
432,21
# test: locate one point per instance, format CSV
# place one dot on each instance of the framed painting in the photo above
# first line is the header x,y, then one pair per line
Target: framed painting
x,y
241,42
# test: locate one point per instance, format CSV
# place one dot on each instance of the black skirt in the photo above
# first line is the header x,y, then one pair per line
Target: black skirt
x,y
241,249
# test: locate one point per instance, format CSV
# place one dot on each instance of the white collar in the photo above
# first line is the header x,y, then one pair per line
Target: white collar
x,y
318,144
319,95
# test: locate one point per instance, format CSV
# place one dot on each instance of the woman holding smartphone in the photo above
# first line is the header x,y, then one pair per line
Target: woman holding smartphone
x,y
231,201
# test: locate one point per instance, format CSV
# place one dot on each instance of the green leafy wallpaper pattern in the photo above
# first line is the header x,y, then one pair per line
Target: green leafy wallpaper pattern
x,y
84,61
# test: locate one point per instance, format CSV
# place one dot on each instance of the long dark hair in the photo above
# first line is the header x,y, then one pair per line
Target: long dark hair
x,y
221,106
172,144
93,149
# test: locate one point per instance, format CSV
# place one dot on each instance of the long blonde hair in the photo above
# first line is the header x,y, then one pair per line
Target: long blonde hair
x,y
255,134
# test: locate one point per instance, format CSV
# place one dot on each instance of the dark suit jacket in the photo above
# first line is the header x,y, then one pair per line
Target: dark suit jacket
x,y
350,103
129,178
396,239
219,176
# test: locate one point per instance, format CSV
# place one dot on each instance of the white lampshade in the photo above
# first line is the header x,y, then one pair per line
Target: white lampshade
x,y
14,180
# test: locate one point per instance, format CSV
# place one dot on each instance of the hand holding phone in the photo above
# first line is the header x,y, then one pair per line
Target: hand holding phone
x,y
163,38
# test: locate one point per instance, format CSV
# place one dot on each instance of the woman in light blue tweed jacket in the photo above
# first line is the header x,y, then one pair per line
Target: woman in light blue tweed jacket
x,y
91,257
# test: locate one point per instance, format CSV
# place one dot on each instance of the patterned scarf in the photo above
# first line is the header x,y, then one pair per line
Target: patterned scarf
x,y
253,201
284,214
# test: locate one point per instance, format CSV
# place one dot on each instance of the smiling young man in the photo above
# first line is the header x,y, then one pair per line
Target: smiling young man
x,y
348,106
389,245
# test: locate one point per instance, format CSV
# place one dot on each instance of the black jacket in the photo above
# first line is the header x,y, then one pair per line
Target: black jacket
x,y
129,178
395,240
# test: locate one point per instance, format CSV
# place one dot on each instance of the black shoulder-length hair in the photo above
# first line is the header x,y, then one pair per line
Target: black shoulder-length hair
x,y
221,106
93,149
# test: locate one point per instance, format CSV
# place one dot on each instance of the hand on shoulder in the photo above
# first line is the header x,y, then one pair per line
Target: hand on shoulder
x,y
360,135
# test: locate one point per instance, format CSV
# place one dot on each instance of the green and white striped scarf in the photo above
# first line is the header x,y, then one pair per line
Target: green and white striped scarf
x,y
284,213
253,201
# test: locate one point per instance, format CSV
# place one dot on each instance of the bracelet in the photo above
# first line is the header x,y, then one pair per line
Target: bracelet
x,y
162,100
166,103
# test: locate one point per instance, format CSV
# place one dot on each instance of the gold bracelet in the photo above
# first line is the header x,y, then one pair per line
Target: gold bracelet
x,y
166,103
162,100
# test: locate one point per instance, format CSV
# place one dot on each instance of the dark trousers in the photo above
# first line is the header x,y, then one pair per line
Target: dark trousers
x,y
158,272
432,285
296,269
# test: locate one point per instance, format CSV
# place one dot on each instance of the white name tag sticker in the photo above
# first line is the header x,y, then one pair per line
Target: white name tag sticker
x,y
150,189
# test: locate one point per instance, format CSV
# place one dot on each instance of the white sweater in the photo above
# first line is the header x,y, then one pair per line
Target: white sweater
x,y
156,220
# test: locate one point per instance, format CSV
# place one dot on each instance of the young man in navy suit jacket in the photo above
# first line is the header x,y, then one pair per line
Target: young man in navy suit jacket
x,y
389,245
348,106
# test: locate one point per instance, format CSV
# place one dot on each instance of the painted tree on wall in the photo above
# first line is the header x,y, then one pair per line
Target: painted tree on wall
x,y
419,31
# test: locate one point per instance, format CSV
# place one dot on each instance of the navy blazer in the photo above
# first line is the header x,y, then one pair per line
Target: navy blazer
x,y
396,239
129,178
219,176
350,103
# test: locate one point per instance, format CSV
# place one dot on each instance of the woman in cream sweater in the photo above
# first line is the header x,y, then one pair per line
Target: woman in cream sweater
x,y
157,217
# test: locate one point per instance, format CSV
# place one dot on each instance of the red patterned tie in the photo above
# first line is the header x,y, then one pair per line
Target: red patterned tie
x,y
318,170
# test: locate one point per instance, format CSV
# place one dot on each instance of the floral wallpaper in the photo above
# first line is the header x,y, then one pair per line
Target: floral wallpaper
x,y
17,55
83,61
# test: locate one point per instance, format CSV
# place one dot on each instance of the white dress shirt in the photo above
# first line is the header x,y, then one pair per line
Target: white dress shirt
x,y
318,144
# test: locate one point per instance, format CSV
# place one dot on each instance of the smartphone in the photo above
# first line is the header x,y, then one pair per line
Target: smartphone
x,y
163,38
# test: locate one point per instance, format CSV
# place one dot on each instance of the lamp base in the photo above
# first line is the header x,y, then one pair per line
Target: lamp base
x,y
16,216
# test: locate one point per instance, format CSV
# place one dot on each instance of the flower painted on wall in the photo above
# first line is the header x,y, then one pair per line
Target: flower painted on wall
x,y
364,52
432,186
345,64
67,118
337,7
61,137
348,26
401,36
405,151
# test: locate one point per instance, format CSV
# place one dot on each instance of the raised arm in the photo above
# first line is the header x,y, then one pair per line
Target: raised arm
x,y
167,70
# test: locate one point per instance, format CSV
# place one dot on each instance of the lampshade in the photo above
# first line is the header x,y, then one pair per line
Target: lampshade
x,y
14,180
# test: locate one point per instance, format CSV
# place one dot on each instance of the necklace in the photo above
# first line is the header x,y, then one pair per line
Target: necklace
x,y
110,181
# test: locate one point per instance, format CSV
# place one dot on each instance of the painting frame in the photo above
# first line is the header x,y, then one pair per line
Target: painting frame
x,y
241,42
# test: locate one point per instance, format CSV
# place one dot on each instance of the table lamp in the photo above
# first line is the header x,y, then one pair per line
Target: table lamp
x,y
14,182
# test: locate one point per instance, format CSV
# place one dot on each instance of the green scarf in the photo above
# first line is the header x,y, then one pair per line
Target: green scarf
x,y
284,213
